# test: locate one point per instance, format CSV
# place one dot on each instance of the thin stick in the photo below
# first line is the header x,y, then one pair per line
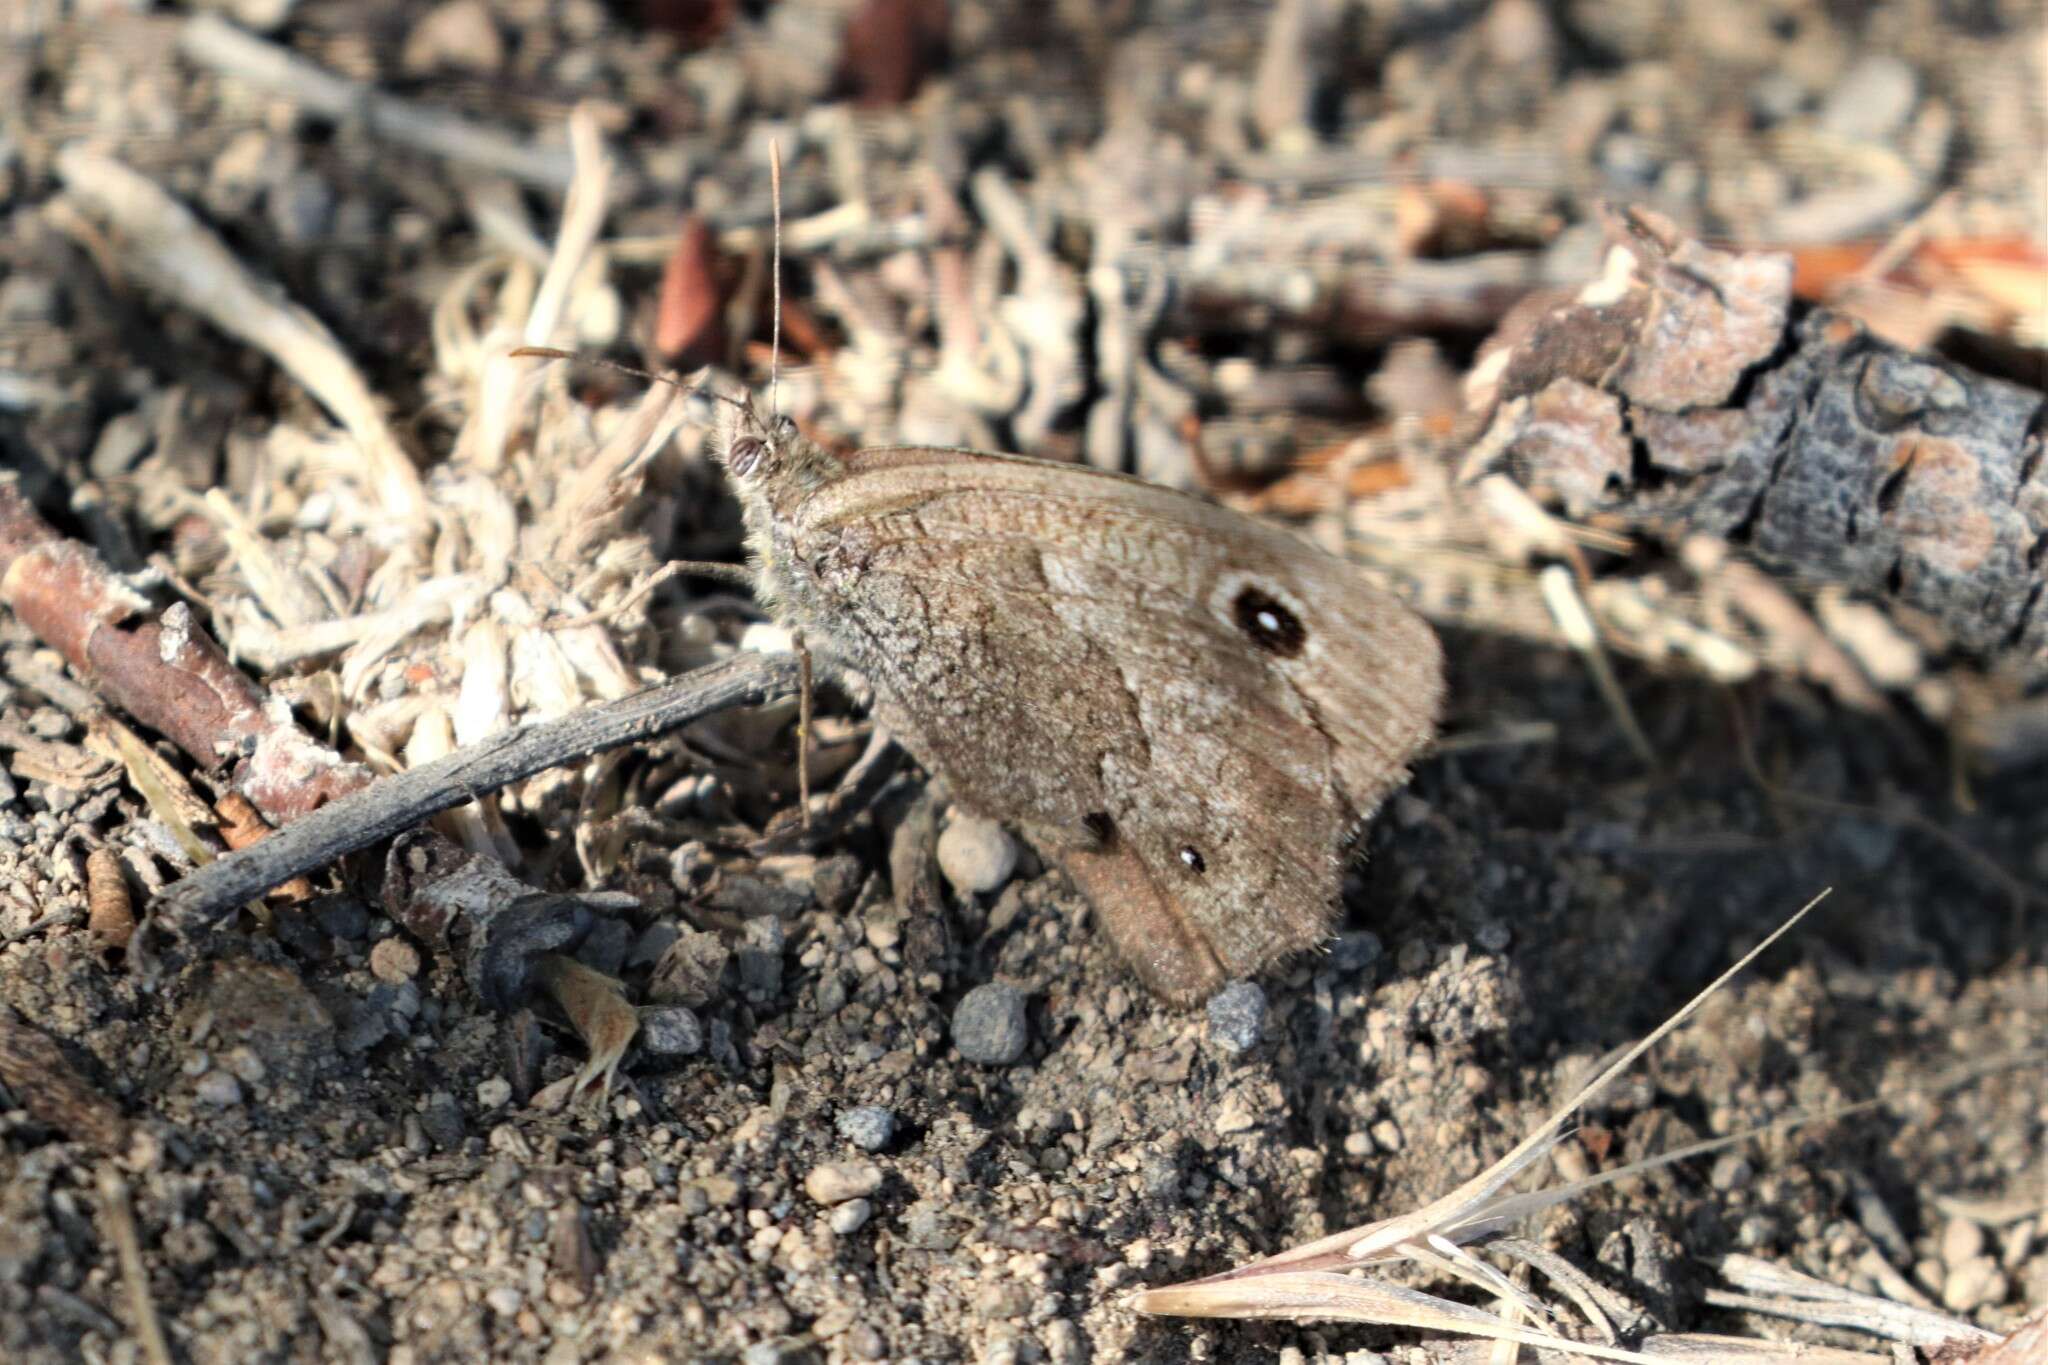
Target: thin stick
x,y
217,45
1568,609
120,1224
396,803
775,283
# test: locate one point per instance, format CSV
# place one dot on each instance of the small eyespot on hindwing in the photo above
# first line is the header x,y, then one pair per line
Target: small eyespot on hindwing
x,y
1191,858
1271,625
1100,827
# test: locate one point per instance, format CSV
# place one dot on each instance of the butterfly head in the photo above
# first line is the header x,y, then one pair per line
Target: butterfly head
x,y
768,456
758,451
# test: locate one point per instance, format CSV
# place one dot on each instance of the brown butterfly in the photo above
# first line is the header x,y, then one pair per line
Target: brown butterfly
x,y
1190,710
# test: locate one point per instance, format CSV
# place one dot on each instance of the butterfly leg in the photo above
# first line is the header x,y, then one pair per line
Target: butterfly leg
x,y
803,726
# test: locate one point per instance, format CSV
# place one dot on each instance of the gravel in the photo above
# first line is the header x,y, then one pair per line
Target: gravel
x,y
989,1024
869,1127
835,1182
976,856
1237,1016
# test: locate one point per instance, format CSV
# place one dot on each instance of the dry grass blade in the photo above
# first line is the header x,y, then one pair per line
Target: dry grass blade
x,y
1784,1292
1305,1294
119,1220
169,249
485,439
1305,1283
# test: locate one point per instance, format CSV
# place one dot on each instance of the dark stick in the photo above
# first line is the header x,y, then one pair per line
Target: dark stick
x,y
391,805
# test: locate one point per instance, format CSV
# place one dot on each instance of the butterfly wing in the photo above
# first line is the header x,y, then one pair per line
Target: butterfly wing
x,y
1191,708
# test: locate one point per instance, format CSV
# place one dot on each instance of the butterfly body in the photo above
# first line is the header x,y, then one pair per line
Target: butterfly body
x,y
1189,709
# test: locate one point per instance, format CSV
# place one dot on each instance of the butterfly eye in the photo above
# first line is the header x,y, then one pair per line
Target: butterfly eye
x,y
744,456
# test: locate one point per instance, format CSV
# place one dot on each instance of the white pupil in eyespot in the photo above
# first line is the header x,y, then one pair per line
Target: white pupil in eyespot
x,y
1269,622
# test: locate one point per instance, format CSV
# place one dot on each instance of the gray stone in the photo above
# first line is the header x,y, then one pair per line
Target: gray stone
x,y
1237,1017
691,970
671,1031
654,941
869,1127
369,1023
342,917
441,1117
604,948
989,1025
219,1089
760,956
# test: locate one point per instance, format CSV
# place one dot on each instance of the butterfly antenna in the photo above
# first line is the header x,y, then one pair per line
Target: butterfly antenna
x,y
775,273
606,363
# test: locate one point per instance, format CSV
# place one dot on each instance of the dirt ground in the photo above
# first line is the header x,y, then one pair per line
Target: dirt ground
x,y
331,1156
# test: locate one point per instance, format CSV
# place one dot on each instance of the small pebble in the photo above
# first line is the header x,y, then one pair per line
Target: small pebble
x,y
605,947
760,956
1961,1241
869,1127
1064,1344
342,916
394,961
1871,101
654,940
441,1117
851,1216
989,1025
835,1182
1731,1171
1237,1016
220,1089
459,35
976,856
1972,1285
671,1031
368,1025
494,1092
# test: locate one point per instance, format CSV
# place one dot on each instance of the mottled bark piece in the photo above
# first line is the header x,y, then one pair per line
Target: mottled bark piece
x,y
1828,454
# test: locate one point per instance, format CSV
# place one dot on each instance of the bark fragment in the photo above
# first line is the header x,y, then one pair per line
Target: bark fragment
x,y
1829,455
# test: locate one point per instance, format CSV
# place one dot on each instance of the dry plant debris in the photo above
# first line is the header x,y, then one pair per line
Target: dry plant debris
x,y
1348,263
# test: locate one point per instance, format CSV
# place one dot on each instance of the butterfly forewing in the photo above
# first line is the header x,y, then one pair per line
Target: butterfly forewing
x,y
1192,709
